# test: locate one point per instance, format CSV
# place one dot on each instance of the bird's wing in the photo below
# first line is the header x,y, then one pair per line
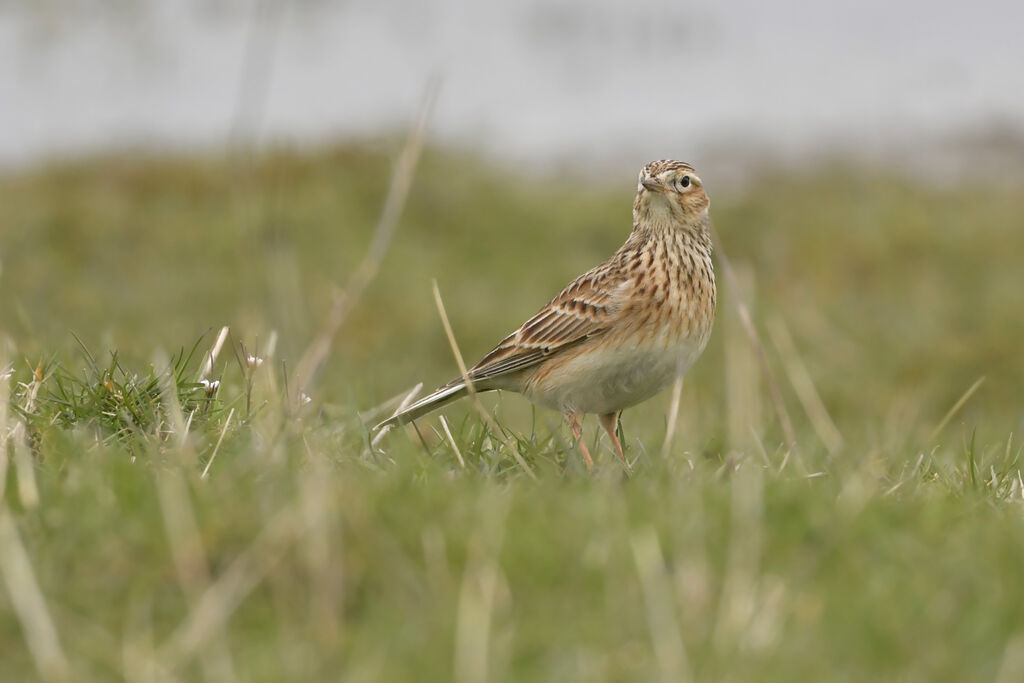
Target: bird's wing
x,y
584,309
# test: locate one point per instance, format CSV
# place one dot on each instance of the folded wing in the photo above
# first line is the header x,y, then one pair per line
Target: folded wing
x,y
585,309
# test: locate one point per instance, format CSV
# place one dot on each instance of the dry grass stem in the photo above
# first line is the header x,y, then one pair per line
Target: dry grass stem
x,y
409,398
479,593
28,491
451,440
222,598
28,603
459,360
673,416
220,440
495,428
956,407
803,384
742,378
401,400
211,357
324,565
25,469
190,564
473,624
739,598
364,273
1011,669
5,431
179,425
666,638
755,340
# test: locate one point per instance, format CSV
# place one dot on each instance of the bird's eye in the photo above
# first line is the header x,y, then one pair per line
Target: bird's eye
x,y
684,181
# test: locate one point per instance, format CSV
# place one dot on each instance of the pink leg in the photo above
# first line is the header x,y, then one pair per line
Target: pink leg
x,y
577,431
609,422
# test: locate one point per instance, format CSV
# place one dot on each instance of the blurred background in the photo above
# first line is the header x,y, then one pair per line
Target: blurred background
x,y
537,83
170,167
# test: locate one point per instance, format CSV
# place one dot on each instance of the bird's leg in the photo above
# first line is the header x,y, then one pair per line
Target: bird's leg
x,y
609,421
577,431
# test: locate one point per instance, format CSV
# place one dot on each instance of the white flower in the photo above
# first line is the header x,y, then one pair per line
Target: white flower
x,y
254,361
210,387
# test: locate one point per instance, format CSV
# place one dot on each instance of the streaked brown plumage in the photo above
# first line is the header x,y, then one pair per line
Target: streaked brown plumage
x,y
621,332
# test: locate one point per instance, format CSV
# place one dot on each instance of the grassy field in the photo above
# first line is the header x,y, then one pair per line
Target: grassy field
x,y
153,528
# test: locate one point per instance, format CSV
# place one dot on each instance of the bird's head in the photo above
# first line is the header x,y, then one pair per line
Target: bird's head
x,y
670,192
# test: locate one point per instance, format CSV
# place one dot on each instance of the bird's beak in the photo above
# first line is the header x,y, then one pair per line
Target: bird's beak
x,y
651,184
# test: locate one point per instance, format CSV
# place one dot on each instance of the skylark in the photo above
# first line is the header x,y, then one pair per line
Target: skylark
x,y
621,332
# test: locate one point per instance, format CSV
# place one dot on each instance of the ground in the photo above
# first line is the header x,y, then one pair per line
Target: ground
x,y
884,544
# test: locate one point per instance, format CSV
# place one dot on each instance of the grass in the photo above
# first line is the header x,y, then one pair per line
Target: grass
x,y
153,524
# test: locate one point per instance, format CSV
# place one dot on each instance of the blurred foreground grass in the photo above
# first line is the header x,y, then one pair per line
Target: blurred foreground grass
x,y
892,552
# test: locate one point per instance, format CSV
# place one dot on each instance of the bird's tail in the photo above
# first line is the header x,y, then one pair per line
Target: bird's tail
x,y
446,394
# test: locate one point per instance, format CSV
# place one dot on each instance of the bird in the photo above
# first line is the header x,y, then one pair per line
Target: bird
x,y
620,333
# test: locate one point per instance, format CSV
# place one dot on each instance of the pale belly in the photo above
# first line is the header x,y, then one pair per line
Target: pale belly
x,y
607,381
